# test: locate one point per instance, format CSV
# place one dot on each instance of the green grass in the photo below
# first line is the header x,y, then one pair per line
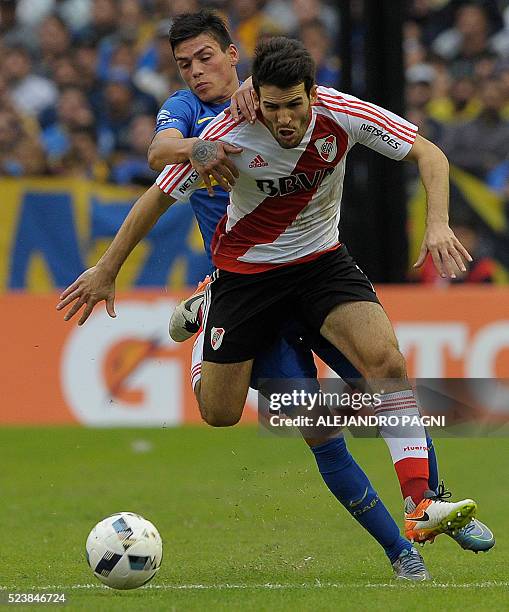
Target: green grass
x,y
237,511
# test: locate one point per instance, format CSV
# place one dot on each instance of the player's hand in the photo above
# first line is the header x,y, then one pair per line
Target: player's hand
x,y
447,252
210,159
244,102
93,286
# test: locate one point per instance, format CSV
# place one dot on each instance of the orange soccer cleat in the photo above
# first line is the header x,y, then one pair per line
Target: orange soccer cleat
x,y
433,515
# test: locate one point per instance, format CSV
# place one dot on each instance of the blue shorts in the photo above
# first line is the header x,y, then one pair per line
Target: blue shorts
x,y
291,356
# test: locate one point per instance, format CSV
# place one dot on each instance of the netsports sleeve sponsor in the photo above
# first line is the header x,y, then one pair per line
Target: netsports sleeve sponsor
x,y
379,133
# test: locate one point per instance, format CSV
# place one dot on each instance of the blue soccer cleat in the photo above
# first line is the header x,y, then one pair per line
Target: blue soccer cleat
x,y
410,566
475,536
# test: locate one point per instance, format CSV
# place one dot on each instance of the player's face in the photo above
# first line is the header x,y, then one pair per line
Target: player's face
x,y
287,112
208,71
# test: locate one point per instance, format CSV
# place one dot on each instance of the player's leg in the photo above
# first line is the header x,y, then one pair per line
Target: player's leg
x,y
350,485
475,536
291,361
338,300
221,403
237,323
222,392
407,458
362,331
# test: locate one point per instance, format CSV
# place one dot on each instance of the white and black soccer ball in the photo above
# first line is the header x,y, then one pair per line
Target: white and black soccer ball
x,y
124,550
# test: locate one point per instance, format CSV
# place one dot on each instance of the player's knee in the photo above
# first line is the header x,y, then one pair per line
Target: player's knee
x,y
216,416
222,420
388,363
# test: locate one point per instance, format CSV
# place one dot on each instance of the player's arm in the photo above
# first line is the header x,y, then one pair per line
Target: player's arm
x,y
448,254
396,138
170,147
98,283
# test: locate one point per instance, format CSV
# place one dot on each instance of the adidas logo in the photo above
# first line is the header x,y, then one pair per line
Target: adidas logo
x,y
258,162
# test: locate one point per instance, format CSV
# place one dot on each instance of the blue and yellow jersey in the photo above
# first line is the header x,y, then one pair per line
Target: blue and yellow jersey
x,y
185,112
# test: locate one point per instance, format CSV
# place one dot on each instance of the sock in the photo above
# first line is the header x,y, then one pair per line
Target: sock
x,y
408,445
196,358
352,488
432,464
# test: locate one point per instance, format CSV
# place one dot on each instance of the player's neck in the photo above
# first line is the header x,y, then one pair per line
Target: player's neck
x,y
229,91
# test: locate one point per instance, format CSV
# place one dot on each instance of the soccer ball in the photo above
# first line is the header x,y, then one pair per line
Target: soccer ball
x,y
124,550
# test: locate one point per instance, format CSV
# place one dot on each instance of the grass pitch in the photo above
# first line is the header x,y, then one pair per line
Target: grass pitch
x,y
247,523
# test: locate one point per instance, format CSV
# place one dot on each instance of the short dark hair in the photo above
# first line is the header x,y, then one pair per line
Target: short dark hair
x,y
283,62
189,25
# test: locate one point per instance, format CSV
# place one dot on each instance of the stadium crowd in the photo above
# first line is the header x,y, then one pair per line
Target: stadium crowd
x,y
81,81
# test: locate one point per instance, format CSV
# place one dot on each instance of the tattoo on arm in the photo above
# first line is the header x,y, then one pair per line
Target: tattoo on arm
x,y
204,151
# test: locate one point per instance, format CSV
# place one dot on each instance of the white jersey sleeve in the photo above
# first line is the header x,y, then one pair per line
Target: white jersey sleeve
x,y
180,180
368,124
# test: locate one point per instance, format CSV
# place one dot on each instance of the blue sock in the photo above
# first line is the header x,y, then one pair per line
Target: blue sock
x,y
350,485
432,464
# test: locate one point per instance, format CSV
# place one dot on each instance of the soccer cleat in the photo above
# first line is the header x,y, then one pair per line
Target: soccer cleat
x,y
185,320
410,566
475,536
433,515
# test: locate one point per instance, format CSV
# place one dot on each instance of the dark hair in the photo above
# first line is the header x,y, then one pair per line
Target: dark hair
x,y
189,25
283,62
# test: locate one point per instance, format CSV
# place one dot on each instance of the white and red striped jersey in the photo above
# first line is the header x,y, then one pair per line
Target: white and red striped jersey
x,y
285,206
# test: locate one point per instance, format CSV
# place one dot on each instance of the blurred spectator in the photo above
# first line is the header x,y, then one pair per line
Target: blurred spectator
x,y
414,51
134,24
460,105
30,92
419,82
66,73
123,57
54,42
75,13
121,102
167,9
134,168
479,145
82,158
290,15
498,179
8,21
20,153
73,111
500,42
503,76
316,38
484,67
467,41
86,58
157,73
428,21
248,22
102,21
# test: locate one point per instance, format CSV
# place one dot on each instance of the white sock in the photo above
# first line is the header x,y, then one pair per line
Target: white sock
x,y
197,358
403,442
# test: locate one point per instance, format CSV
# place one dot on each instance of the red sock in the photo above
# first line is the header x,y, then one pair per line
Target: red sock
x,y
413,475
